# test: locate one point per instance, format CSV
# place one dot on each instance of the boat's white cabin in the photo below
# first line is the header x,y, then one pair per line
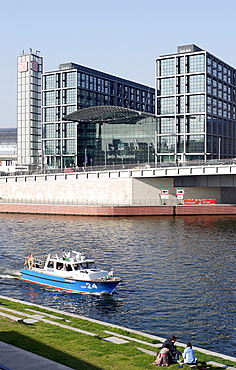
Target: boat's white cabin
x,y
69,261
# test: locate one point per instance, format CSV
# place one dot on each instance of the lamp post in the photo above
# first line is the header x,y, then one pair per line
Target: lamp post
x,y
219,147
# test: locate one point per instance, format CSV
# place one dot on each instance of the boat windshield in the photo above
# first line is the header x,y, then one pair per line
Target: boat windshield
x,y
84,265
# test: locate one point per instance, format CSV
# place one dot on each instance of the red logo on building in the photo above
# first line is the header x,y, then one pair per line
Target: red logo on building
x,y
34,66
23,67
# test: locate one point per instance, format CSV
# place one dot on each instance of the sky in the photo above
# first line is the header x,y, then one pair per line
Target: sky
x,y
122,38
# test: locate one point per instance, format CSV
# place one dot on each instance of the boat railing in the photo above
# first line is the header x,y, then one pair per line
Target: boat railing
x,y
39,261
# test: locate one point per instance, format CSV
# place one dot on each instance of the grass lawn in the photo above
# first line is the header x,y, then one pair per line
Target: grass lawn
x,y
80,351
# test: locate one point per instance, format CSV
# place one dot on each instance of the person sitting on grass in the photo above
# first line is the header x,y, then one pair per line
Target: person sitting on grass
x,y
174,352
188,355
163,357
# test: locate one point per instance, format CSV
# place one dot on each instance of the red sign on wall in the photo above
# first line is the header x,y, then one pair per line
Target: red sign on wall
x,y
200,201
165,191
23,67
179,191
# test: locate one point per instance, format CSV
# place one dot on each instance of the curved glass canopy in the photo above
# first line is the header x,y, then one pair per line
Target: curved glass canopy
x,y
108,114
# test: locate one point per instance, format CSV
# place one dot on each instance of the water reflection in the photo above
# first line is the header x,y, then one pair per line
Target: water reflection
x,y
178,273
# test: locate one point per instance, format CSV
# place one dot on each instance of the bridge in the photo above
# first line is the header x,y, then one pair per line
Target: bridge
x,y
135,186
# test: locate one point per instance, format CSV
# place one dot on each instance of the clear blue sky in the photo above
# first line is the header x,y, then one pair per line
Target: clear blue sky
x,y
118,37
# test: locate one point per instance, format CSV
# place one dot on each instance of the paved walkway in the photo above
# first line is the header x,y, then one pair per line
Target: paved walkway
x,y
13,358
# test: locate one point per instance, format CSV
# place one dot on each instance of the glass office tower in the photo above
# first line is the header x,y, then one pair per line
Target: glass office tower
x,y
29,75
196,102
74,87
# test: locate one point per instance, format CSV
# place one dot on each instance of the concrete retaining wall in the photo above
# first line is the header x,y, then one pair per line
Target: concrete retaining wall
x,y
97,190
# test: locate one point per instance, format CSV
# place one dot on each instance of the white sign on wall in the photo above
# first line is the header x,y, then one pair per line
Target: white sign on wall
x,y
165,193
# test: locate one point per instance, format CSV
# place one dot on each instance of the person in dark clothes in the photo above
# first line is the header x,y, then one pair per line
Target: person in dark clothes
x,y
174,352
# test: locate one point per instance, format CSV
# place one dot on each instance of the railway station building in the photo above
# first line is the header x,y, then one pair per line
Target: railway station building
x,y
77,116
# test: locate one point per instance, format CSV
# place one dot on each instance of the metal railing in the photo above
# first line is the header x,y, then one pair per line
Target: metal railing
x,y
91,203
116,167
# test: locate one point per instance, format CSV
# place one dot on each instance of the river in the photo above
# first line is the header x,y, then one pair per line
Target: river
x,y
178,272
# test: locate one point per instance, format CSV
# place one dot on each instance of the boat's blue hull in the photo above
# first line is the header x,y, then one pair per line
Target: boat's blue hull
x,y
77,286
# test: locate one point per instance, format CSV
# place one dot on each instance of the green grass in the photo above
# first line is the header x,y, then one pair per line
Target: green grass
x,y
80,351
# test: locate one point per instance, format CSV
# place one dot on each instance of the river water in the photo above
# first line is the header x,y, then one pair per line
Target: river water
x,y
178,272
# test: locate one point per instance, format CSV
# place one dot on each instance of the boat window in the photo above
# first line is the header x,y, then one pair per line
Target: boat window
x,y
88,265
50,264
77,266
91,265
59,266
68,268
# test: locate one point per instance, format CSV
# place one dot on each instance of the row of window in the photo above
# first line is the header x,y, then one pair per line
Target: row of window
x,y
173,66
58,130
96,84
52,147
220,108
196,144
87,98
219,70
188,104
193,64
180,144
180,85
190,124
221,127
194,84
53,114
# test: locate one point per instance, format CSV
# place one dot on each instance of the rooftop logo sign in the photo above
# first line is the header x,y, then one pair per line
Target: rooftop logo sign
x,y
23,67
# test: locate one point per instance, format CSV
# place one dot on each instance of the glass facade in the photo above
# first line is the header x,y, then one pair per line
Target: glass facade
x,y
74,87
125,137
196,104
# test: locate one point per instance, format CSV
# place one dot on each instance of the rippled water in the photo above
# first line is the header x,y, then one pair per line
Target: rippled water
x,y
178,273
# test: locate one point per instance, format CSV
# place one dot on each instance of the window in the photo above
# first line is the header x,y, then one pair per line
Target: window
x,y
180,65
180,104
195,124
69,109
49,147
49,114
195,144
49,131
180,124
196,63
58,80
180,85
49,97
69,146
49,82
69,129
69,79
69,96
166,144
167,86
166,105
166,125
195,83
167,67
195,103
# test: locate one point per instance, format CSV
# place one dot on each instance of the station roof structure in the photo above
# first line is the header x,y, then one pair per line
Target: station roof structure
x,y
8,136
107,114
